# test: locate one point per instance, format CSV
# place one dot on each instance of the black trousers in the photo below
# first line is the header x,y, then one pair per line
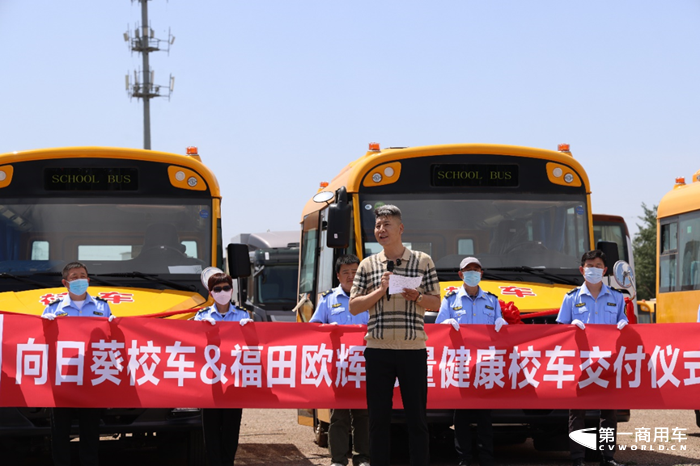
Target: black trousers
x,y
383,368
577,421
463,419
221,428
88,425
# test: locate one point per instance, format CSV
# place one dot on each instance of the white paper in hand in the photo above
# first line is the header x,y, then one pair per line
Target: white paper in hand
x,y
398,282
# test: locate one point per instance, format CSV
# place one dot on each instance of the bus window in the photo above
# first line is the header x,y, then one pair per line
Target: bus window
x,y
40,251
309,244
669,237
190,248
465,246
689,242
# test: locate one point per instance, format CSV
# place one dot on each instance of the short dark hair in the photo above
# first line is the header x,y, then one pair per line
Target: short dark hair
x,y
219,278
347,259
594,254
387,210
70,266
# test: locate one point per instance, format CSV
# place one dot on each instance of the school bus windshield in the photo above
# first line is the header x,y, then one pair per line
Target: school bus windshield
x,y
540,231
110,235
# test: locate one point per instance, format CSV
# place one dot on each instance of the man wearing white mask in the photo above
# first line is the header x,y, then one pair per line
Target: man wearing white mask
x,y
221,427
472,305
77,303
593,303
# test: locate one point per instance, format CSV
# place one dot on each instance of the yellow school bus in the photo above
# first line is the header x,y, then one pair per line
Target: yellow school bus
x,y
678,253
145,223
524,212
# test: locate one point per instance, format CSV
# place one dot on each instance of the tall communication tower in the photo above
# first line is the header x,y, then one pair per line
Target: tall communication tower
x,y
142,40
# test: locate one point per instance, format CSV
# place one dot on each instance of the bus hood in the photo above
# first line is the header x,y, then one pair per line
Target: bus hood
x,y
123,302
527,297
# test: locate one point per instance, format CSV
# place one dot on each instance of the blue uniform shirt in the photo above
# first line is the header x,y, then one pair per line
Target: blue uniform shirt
x,y
457,305
334,306
234,314
92,307
579,304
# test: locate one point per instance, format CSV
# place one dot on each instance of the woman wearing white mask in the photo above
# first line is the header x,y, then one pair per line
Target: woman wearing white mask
x,y
221,426
593,303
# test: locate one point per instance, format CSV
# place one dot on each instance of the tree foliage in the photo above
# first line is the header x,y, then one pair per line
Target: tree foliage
x,y
644,245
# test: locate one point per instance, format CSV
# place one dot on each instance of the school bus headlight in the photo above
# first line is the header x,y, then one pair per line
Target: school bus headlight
x,y
568,177
3,175
192,181
557,172
180,176
388,171
376,177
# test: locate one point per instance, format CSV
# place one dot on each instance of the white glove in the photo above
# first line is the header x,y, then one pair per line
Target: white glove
x,y
245,321
452,322
622,324
500,322
579,324
48,316
209,319
112,317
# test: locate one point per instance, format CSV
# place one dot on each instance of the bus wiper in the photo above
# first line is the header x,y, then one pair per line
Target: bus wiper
x,y
25,280
538,272
151,277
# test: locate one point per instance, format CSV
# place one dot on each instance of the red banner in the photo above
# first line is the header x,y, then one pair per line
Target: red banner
x,y
140,362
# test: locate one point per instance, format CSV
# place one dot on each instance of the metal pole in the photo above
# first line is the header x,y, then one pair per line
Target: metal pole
x,y
146,76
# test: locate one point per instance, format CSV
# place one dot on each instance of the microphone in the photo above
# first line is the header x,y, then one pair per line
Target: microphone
x,y
389,268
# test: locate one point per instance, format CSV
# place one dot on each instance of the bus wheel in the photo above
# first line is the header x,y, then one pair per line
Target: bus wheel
x,y
321,434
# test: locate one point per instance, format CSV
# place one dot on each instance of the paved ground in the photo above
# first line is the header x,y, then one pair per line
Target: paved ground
x,y
273,437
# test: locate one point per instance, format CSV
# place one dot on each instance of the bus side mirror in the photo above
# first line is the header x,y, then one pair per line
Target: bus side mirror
x,y
612,255
238,260
338,232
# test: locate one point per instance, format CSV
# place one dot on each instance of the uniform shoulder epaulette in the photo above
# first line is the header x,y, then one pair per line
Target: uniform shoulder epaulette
x,y
97,298
489,293
450,293
617,289
574,290
55,301
326,293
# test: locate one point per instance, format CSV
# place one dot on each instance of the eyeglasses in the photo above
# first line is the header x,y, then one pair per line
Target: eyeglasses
x,y
219,289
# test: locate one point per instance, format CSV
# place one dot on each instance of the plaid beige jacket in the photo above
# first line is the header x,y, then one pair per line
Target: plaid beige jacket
x,y
396,323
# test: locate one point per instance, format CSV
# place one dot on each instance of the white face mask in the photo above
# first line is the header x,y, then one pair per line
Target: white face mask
x,y
593,275
223,297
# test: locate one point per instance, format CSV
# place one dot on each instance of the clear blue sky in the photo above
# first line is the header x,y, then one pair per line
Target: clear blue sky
x,y
280,95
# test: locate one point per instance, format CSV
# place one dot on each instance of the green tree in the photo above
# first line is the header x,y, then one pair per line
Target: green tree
x,y
644,245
